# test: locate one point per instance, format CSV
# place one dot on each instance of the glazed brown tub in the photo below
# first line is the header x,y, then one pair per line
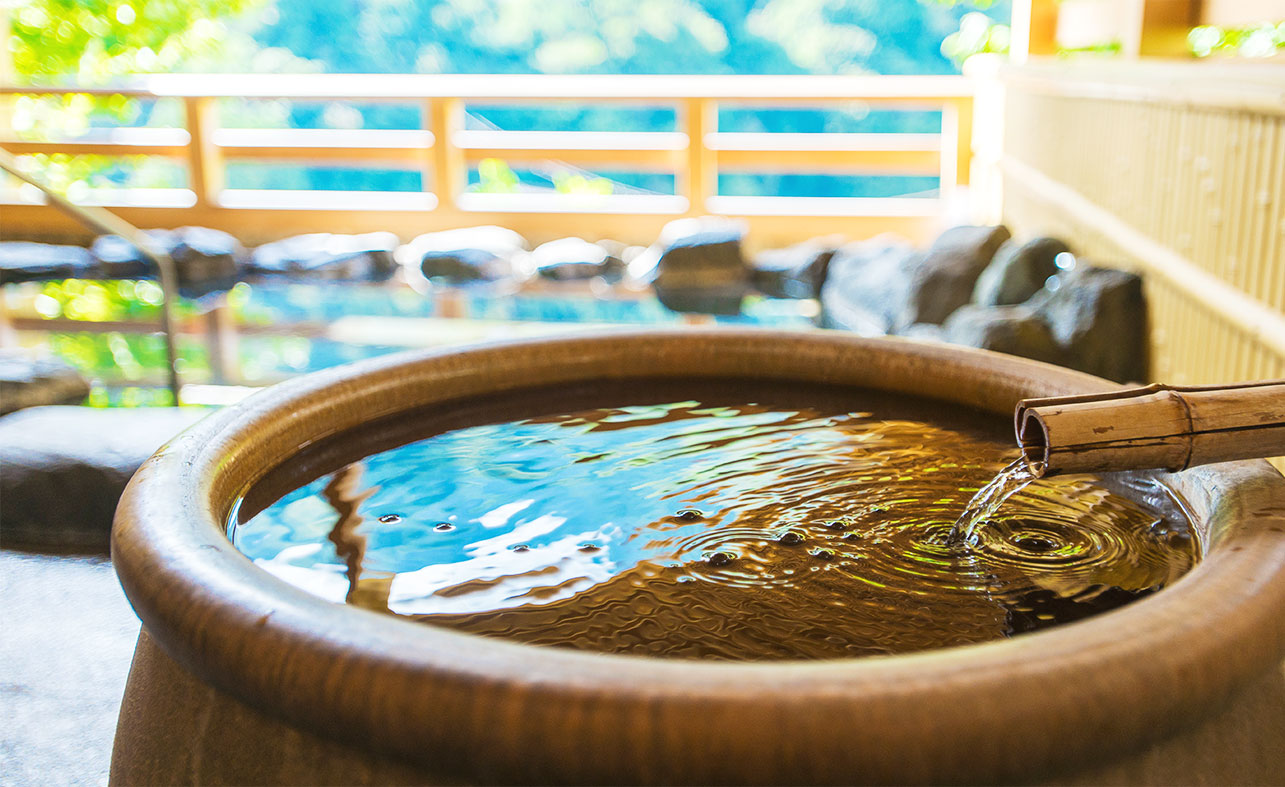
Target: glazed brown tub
x,y
239,677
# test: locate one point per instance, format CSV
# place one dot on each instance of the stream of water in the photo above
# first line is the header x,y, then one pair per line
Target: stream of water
x,y
986,503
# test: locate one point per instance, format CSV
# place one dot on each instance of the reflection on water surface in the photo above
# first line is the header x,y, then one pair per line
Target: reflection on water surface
x,y
727,522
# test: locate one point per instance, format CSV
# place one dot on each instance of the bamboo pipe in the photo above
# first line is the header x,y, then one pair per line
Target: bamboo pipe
x,y
1156,427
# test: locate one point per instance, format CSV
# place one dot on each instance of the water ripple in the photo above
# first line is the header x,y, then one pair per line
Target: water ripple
x,y
720,529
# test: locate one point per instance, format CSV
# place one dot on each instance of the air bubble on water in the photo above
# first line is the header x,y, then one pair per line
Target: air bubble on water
x,y
822,554
791,538
520,548
589,547
390,519
1035,543
443,526
689,514
718,559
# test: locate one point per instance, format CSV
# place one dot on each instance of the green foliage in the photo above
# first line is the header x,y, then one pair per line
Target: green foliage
x,y
1104,48
568,182
121,356
95,40
92,42
497,177
622,36
977,34
1262,40
100,301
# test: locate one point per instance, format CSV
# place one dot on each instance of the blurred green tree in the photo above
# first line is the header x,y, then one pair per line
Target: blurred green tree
x,y
93,41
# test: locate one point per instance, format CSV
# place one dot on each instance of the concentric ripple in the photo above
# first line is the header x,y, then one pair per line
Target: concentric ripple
x,y
782,524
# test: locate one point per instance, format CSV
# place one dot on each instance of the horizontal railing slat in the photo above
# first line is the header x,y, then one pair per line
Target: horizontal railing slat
x,y
442,151
321,138
871,162
544,202
825,206
167,142
76,148
290,199
571,140
658,88
823,142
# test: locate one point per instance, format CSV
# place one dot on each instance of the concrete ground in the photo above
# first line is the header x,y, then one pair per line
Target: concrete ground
x,y
66,638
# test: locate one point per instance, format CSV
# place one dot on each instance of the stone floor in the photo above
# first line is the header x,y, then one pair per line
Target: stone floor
x,y
65,645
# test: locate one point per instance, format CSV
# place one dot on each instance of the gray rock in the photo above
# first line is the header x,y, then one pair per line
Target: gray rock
x,y
65,468
20,261
944,279
867,285
570,259
618,256
796,271
367,257
206,260
700,267
1015,330
28,380
119,259
1017,272
1099,317
469,254
923,331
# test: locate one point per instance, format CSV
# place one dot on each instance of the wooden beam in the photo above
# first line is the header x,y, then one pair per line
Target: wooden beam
x,y
643,160
1162,27
901,154
769,226
325,145
873,162
169,142
450,173
1033,29
699,181
640,141
957,139
205,164
23,148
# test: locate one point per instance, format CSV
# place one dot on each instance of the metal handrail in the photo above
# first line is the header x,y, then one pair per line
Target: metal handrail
x,y
104,221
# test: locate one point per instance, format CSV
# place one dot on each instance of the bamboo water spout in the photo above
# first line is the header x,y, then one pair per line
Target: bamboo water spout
x,y
1155,427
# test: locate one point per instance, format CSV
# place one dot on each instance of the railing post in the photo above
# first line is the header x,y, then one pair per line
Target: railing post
x,y
1159,28
700,180
221,342
8,336
450,175
204,159
1034,29
956,142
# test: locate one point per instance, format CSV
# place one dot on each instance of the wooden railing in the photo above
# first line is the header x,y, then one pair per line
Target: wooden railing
x,y
442,149
1176,171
